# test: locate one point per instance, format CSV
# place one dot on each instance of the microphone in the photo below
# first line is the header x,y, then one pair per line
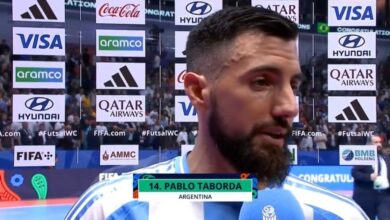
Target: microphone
x,y
272,204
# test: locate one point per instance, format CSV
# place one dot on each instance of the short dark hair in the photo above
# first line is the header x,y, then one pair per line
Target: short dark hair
x,y
205,41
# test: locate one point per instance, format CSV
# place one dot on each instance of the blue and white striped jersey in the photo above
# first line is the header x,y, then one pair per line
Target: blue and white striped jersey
x,y
112,199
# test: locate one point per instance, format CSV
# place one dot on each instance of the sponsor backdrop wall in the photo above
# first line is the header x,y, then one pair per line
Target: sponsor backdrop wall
x,y
92,89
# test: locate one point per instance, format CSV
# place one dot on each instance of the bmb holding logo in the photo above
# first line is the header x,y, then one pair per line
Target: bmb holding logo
x,y
357,154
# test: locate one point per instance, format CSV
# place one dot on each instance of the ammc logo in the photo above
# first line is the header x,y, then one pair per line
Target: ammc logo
x,y
352,13
39,41
120,43
184,110
38,10
34,74
28,156
119,155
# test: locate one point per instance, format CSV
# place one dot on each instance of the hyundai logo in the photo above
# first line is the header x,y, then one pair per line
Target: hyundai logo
x,y
351,41
198,8
39,104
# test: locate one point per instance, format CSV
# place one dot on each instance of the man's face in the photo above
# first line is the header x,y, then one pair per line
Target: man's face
x,y
253,105
376,140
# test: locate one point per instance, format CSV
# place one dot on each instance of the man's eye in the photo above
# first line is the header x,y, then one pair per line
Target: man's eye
x,y
260,83
295,88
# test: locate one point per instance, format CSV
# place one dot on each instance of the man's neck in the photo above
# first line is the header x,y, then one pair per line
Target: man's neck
x,y
206,158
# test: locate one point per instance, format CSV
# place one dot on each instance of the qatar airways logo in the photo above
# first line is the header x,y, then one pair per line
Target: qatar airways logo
x,y
120,12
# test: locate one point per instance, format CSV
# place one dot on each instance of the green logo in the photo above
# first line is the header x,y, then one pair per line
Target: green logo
x,y
39,183
38,74
322,28
121,43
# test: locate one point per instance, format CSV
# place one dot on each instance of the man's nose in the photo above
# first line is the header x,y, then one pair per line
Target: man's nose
x,y
285,104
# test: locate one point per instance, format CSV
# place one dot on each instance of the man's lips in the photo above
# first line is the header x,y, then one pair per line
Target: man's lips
x,y
275,132
274,135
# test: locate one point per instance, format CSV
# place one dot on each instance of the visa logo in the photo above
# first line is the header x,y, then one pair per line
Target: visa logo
x,y
353,13
184,110
188,109
41,41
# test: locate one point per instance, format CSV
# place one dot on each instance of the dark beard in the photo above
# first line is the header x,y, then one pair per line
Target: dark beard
x,y
271,163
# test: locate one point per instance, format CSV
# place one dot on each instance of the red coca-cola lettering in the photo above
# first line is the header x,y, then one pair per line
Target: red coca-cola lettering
x,y
181,76
127,11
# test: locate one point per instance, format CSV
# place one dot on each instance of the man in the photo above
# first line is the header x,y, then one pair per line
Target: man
x,y
25,135
242,72
371,184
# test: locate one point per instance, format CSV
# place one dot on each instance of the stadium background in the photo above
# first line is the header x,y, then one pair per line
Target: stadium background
x,y
78,158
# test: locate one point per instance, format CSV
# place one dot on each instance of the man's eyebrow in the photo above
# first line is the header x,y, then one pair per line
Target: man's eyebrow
x,y
277,71
264,68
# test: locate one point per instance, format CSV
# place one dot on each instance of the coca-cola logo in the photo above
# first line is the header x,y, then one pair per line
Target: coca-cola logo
x,y
126,11
181,76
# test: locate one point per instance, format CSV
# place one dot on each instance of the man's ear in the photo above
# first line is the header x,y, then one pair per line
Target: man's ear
x,y
196,89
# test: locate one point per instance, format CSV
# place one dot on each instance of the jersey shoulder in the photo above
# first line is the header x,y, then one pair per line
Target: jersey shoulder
x,y
105,198
323,202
